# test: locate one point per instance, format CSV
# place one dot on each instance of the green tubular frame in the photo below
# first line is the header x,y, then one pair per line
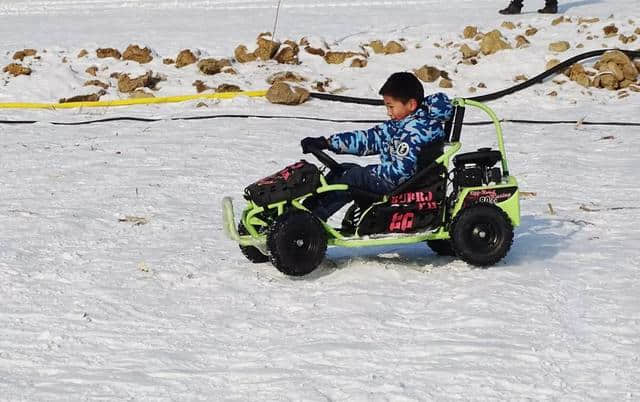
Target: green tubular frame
x,y
511,206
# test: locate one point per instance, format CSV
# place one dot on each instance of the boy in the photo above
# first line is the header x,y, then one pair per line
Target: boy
x,y
415,122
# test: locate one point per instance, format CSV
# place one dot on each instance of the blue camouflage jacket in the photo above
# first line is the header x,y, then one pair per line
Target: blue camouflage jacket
x,y
398,142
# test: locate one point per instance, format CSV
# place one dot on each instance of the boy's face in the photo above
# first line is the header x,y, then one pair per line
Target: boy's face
x,y
396,109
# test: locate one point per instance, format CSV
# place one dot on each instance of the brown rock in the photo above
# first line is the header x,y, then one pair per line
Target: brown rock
x,y
377,46
521,41
617,71
579,46
493,42
630,72
634,87
16,69
467,52
553,93
560,20
212,66
141,94
96,83
469,32
473,90
482,85
285,76
508,25
531,31
127,84
282,93
615,56
168,61
339,57
108,52
267,48
627,39
200,86
637,31
625,83
21,54
242,55
202,104
393,47
136,53
229,70
185,58
427,73
84,98
520,77
582,20
82,53
228,88
558,47
314,51
445,83
288,53
358,63
64,59
610,30
115,75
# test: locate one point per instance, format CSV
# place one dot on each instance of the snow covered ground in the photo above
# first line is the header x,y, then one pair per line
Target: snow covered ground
x,y
94,306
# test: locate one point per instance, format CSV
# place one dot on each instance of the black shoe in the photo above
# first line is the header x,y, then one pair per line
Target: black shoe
x,y
513,8
549,9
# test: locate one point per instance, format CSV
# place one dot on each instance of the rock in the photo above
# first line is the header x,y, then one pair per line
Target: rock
x,y
228,88
578,74
627,39
427,73
212,66
583,20
520,77
508,25
553,93
242,55
634,87
377,46
21,54
610,30
282,93
358,63
558,47
339,57
560,20
108,52
64,59
91,70
521,41
445,83
467,52
96,83
285,76
141,94
482,85
202,104
185,58
168,61
200,86
531,31
127,84
16,69
637,31
136,53
84,98
625,83
82,53
229,70
393,47
630,72
115,75
288,53
267,48
493,42
473,90
579,46
314,50
469,32
551,64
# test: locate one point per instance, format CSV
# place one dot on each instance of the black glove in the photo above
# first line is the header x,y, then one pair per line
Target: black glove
x,y
313,142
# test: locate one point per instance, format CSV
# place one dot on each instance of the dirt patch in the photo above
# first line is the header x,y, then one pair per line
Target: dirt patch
x,y
185,58
16,69
103,53
21,54
282,93
136,53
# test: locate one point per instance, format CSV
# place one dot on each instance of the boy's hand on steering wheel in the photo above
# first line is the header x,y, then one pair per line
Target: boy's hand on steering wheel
x,y
313,142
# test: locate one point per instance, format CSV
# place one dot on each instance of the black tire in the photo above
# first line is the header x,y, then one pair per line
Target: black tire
x,y
252,253
481,234
297,243
441,247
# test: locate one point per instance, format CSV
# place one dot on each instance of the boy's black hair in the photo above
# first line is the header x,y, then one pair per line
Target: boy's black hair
x,y
403,86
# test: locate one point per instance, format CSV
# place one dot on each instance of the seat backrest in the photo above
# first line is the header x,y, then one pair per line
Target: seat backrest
x,y
429,154
453,127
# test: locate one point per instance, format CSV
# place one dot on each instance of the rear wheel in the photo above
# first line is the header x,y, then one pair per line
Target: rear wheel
x,y
297,243
481,234
441,247
252,253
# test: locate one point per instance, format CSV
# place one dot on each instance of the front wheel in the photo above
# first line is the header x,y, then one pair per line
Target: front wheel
x,y
297,243
481,234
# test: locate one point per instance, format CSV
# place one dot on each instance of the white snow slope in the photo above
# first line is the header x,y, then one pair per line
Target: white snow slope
x,y
95,308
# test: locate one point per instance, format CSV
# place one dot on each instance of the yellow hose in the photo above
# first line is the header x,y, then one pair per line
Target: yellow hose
x,y
127,102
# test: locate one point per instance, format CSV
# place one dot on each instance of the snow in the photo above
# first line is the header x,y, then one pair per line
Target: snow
x,y
93,306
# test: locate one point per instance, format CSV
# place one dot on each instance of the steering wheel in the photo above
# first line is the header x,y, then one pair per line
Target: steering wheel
x,y
326,160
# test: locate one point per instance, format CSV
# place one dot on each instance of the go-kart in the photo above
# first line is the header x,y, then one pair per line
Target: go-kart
x,y
468,210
